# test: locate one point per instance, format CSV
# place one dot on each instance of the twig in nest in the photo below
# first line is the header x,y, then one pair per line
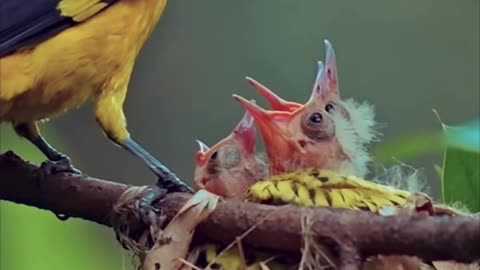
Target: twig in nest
x,y
314,255
167,245
243,235
124,211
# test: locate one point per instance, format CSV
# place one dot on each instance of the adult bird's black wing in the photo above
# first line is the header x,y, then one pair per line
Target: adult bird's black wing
x,y
28,22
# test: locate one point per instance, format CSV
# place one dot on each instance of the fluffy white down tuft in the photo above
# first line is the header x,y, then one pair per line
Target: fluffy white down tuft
x,y
354,135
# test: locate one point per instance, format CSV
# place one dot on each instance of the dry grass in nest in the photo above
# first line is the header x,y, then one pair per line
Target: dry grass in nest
x,y
124,212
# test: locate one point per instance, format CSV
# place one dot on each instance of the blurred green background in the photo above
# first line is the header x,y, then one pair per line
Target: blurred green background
x,y
406,57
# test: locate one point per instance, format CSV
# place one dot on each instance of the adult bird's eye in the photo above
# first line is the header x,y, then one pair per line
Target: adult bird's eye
x,y
315,118
329,108
214,155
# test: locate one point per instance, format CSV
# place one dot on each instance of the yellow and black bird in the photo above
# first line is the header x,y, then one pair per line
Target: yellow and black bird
x,y
57,54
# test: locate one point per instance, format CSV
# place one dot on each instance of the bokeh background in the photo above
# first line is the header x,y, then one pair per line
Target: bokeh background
x,y
406,57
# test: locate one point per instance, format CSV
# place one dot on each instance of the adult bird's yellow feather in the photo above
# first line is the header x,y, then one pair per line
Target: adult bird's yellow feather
x,y
57,54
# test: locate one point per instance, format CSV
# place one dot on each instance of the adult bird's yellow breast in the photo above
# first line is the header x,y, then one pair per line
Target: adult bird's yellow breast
x,y
81,62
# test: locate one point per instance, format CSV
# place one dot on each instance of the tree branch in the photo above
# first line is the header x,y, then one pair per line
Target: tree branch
x,y
430,238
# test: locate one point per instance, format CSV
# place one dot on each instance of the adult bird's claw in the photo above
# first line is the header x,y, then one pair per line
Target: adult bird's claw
x,y
61,165
145,203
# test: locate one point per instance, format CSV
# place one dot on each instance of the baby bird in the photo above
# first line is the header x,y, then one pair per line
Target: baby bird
x,y
231,166
324,133
228,169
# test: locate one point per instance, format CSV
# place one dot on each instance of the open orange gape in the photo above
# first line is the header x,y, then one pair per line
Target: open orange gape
x,y
324,133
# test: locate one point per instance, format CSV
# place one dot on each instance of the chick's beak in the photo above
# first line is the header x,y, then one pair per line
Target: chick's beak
x,y
278,138
275,102
246,133
202,147
331,67
262,117
201,158
326,82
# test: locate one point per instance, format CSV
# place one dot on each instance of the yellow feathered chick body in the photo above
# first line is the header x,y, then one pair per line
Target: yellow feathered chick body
x,y
325,188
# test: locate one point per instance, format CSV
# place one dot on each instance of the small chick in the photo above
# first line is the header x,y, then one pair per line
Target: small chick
x,y
324,133
230,167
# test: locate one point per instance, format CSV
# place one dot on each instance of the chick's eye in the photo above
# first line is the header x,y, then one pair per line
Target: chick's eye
x,y
315,118
329,107
318,126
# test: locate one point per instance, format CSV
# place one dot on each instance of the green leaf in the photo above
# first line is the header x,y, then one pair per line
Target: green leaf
x,y
464,137
461,169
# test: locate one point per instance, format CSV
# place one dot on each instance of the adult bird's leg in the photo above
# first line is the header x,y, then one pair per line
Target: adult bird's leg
x,y
109,114
167,180
57,161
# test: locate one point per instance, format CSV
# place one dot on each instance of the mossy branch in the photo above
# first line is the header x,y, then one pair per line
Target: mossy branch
x,y
353,232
